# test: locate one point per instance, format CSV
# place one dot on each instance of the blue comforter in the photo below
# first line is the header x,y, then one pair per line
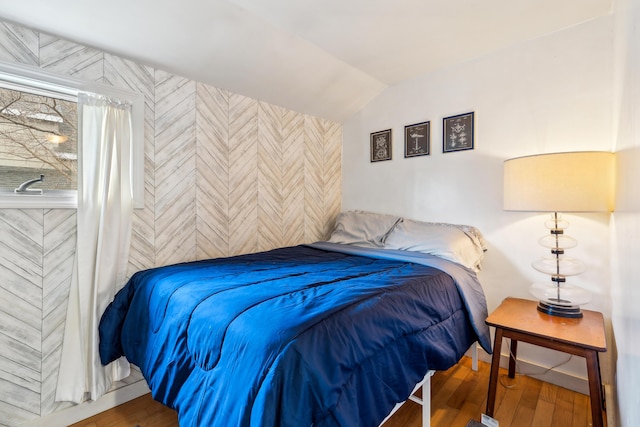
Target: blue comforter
x,y
300,336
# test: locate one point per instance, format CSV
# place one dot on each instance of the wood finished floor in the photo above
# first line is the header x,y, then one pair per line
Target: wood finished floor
x,y
458,395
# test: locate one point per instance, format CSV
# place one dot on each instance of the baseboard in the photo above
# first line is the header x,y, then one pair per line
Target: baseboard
x,y
559,378
534,370
85,410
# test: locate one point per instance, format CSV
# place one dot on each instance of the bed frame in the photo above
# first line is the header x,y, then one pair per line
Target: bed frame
x,y
425,383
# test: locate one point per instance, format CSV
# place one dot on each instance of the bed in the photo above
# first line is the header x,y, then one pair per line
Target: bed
x,y
329,334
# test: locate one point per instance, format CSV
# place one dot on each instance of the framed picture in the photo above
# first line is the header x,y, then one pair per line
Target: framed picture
x,y
417,139
457,133
381,145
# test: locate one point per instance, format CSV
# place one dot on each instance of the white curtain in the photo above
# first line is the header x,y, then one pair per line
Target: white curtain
x,y
104,219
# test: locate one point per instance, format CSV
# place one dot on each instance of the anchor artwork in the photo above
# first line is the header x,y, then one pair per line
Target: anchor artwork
x,y
417,139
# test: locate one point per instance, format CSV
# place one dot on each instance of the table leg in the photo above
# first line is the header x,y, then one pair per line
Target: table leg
x,y
595,387
512,358
493,377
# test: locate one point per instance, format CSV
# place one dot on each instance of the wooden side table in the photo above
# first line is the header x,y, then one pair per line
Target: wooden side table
x,y
519,320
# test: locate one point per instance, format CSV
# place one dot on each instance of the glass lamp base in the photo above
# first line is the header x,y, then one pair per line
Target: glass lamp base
x,y
560,299
571,311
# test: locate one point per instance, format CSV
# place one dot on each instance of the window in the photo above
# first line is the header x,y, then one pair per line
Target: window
x,y
38,137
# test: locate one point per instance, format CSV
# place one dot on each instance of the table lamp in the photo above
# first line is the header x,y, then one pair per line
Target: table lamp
x,y
560,182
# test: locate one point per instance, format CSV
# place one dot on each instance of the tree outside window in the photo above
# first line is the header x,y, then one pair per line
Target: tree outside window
x,y
38,135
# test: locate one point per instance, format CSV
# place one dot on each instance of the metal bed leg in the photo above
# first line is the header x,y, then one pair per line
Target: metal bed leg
x,y
474,356
426,391
426,398
425,402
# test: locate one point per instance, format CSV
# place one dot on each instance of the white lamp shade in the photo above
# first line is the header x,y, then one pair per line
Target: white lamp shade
x,y
580,181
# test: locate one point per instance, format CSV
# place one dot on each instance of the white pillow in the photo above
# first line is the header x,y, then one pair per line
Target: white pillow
x,y
461,244
363,228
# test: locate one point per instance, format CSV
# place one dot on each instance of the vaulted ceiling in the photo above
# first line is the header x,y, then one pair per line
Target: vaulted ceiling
x,y
328,58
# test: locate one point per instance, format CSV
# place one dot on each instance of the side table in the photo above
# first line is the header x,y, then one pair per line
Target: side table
x,y
519,320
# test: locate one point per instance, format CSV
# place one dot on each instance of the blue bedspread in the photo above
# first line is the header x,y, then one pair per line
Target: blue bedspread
x,y
300,336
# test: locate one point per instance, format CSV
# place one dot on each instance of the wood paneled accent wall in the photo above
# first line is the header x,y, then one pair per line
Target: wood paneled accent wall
x,y
224,175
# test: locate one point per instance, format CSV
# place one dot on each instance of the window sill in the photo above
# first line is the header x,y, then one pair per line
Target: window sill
x,y
52,199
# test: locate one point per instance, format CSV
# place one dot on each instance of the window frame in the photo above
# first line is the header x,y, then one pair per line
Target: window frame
x,y
21,77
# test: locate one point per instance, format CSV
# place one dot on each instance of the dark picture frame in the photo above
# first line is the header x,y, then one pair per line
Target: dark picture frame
x,y
380,145
417,139
458,133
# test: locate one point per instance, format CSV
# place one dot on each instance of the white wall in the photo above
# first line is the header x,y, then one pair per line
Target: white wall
x,y
626,248
545,95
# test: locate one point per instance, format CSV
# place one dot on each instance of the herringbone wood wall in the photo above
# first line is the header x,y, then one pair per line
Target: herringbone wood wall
x,y
224,175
